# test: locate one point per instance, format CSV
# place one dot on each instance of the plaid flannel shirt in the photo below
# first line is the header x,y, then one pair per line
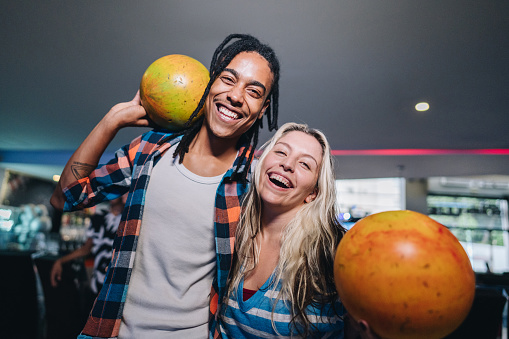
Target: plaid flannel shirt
x,y
129,171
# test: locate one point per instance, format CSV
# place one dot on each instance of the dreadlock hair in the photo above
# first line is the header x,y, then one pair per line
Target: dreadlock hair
x,y
222,57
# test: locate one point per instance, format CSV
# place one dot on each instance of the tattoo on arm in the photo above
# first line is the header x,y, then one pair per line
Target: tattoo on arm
x,y
81,170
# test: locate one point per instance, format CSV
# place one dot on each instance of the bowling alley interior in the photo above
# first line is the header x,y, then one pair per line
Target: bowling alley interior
x,y
411,95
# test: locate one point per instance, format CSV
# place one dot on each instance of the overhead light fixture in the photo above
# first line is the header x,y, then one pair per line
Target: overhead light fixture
x,y
56,177
422,106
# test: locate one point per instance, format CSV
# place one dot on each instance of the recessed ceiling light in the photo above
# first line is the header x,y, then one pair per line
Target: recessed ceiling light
x,y
422,106
56,177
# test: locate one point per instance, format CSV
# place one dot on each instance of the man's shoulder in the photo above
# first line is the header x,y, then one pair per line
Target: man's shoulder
x,y
254,162
158,136
157,132
148,140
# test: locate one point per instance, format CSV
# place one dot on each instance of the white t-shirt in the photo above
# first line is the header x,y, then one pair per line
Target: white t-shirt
x,y
175,261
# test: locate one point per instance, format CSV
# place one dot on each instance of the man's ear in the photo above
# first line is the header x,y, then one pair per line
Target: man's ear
x,y
264,108
311,197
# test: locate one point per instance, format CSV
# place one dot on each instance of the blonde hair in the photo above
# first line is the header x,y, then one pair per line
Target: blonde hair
x,y
309,241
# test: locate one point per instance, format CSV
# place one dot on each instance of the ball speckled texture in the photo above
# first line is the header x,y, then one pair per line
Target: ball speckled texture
x,y
405,274
171,89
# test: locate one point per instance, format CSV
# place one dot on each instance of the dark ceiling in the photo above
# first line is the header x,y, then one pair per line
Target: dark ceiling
x,y
354,69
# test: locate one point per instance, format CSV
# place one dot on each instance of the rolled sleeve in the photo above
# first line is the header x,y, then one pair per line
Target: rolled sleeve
x,y
107,182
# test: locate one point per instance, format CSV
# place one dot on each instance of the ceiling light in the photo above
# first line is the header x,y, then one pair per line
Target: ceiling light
x,y
422,106
56,177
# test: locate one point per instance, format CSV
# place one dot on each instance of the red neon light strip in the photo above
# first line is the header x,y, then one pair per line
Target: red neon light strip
x,y
407,151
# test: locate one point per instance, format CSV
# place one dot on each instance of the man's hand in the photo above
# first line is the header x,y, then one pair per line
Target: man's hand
x,y
126,114
85,159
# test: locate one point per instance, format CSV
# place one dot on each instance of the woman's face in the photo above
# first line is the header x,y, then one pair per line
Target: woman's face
x,y
289,173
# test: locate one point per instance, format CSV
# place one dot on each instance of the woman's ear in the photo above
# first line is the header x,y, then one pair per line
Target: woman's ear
x,y
311,197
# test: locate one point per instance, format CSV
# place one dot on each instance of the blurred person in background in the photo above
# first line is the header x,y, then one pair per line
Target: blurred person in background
x,y
100,235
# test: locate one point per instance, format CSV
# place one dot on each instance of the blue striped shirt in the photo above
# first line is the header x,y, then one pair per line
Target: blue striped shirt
x,y
253,318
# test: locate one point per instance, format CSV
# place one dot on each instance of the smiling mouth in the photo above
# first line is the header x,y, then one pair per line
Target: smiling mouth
x,y
280,181
227,114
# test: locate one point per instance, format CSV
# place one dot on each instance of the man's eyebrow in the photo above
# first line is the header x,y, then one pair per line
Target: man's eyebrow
x,y
252,82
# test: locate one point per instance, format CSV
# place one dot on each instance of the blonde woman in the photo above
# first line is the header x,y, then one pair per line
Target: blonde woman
x,y
282,280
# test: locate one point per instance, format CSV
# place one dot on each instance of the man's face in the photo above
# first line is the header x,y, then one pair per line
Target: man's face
x,y
238,96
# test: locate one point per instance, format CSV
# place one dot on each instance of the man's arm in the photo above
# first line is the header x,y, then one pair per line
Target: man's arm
x,y
86,157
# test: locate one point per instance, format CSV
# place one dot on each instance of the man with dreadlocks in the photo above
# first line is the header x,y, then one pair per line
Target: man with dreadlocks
x,y
174,244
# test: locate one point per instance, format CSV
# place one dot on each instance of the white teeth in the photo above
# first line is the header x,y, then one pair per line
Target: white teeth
x,y
228,113
281,179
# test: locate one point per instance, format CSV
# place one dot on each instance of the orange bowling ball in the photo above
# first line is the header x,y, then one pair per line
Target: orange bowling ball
x,y
405,274
171,89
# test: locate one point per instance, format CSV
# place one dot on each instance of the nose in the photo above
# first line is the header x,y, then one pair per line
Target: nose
x,y
236,95
288,165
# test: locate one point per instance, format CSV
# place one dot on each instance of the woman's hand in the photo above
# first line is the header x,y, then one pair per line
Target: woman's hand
x,y
358,329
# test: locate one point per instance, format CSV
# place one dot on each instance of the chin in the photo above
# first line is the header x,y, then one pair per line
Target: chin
x,y
222,134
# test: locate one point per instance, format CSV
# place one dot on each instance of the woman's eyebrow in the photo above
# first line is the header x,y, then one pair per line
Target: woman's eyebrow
x,y
290,147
